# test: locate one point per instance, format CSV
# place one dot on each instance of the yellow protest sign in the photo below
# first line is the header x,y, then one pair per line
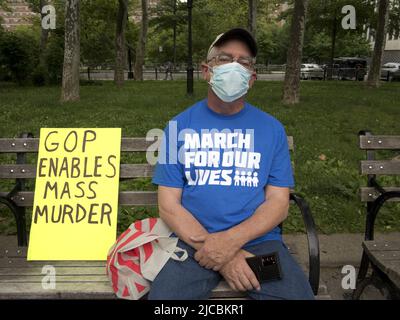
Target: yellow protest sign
x,y
74,215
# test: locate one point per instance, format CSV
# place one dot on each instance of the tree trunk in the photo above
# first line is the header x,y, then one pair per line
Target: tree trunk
x,y
252,18
291,86
120,48
333,45
141,46
70,79
380,41
174,35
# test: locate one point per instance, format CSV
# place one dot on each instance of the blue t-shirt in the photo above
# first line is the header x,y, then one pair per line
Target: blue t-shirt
x,y
223,163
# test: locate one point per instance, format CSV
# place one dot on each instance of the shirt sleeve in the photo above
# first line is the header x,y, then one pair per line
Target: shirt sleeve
x,y
169,171
281,174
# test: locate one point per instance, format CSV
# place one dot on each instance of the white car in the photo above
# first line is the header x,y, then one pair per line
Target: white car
x,y
390,71
311,71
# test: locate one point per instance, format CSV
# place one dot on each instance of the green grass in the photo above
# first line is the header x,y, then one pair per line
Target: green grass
x,y
326,122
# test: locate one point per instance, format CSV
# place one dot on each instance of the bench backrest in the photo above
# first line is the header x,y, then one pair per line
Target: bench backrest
x,y
21,170
373,168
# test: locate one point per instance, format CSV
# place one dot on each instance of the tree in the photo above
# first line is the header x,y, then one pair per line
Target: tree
x,y
291,86
70,78
168,15
97,38
141,45
44,35
252,21
325,38
41,74
394,19
210,18
174,32
120,48
380,41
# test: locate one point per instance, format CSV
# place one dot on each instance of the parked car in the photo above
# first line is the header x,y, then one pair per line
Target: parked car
x,y
349,68
311,71
390,71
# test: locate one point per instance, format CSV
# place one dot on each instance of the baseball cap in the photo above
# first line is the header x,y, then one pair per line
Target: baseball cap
x,y
236,34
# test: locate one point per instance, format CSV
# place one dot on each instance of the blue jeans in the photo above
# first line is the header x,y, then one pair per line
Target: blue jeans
x,y
187,280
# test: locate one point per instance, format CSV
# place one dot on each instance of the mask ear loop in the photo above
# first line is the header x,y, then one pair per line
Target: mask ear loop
x,y
211,71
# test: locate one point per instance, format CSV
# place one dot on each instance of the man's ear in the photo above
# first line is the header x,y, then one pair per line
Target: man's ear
x,y
205,71
253,78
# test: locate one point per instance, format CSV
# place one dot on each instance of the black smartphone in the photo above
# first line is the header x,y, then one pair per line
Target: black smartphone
x,y
266,267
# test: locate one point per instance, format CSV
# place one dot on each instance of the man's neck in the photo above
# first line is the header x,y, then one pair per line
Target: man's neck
x,y
222,107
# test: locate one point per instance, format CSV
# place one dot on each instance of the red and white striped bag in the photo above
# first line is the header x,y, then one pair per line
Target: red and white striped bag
x,y
138,256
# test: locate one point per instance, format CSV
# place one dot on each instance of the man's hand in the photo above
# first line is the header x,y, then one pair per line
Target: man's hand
x,y
238,274
218,248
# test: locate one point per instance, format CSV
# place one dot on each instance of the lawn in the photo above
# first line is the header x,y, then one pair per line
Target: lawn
x,y
324,125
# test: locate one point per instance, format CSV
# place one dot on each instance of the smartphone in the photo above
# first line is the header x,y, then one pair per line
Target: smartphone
x,y
266,267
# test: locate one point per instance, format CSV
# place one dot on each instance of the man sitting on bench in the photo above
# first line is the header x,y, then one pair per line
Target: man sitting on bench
x,y
223,185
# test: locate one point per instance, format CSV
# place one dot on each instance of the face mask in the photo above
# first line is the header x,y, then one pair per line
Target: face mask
x,y
230,81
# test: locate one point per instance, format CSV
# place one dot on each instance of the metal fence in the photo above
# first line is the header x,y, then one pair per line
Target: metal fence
x,y
270,72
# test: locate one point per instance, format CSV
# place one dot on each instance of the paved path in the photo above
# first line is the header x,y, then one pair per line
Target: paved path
x,y
336,250
109,75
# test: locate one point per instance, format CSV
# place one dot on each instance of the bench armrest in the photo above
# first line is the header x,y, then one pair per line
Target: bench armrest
x,y
313,242
373,212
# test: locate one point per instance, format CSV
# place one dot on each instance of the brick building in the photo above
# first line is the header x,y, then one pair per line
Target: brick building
x,y
18,14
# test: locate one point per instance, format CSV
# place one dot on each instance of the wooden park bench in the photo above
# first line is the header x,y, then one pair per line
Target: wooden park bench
x,y
383,257
87,279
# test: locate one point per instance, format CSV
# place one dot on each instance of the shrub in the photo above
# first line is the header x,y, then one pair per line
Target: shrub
x,y
54,56
18,55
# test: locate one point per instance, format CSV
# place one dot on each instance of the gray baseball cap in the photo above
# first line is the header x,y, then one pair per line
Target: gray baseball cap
x,y
236,34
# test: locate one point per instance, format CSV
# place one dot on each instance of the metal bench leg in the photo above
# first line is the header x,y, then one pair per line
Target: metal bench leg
x,y
313,242
362,272
21,227
378,280
19,215
372,212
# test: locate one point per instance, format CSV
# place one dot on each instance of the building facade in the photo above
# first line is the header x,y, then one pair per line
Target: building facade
x,y
19,13
392,46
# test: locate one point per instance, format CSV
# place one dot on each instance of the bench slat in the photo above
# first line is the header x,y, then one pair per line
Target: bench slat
x,y
380,167
128,171
31,145
379,142
126,198
138,144
63,271
382,246
75,279
369,194
80,290
28,171
11,145
4,280
88,290
20,262
385,256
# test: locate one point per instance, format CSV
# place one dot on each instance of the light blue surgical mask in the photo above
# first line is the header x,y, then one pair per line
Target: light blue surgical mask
x,y
230,81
